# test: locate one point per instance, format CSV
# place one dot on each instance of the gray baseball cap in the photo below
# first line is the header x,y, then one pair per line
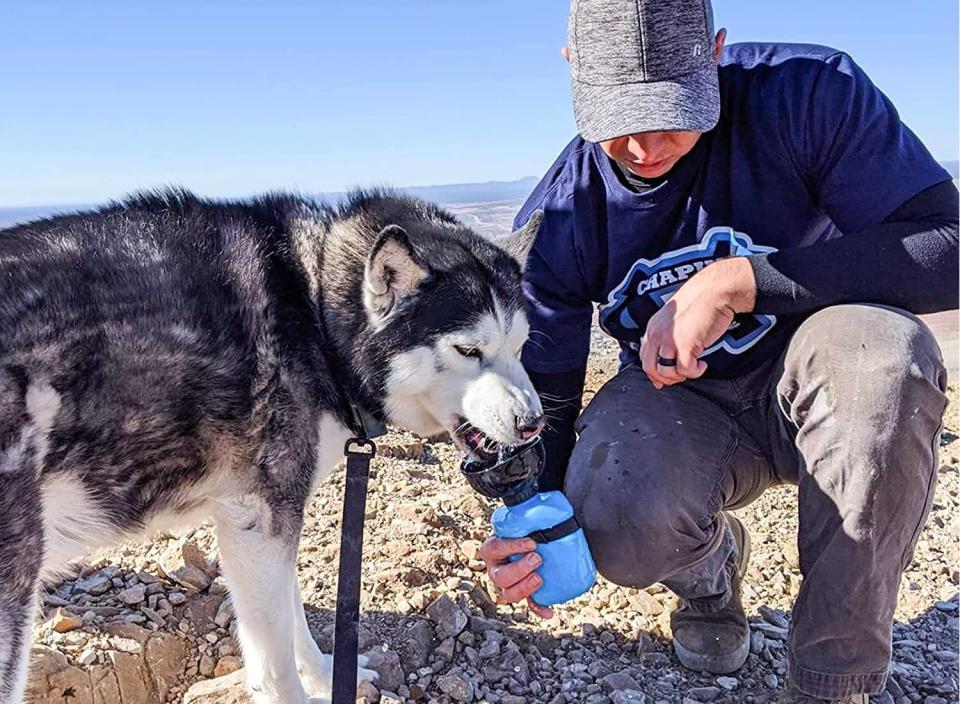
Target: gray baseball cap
x,y
642,66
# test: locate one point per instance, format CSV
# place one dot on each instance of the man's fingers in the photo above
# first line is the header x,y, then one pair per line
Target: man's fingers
x,y
541,611
689,366
667,352
648,361
512,573
521,590
648,356
495,550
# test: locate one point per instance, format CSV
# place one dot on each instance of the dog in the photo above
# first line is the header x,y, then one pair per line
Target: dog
x,y
169,359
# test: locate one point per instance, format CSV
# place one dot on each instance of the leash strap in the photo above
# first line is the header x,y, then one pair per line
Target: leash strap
x,y
561,530
359,452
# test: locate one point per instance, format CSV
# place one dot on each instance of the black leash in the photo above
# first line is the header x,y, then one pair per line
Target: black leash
x,y
359,452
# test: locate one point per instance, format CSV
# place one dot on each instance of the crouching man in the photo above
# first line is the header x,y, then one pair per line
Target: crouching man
x,y
759,229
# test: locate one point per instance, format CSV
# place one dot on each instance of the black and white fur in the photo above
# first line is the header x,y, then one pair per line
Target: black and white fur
x,y
169,359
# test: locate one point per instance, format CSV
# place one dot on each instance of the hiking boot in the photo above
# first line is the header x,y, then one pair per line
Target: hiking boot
x,y
717,642
792,695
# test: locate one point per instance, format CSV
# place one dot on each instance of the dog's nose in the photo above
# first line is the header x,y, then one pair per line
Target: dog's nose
x,y
529,425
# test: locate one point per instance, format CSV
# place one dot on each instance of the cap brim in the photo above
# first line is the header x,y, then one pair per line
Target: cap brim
x,y
689,103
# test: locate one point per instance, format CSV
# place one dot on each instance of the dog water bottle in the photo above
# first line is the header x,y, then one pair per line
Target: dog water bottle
x,y
547,517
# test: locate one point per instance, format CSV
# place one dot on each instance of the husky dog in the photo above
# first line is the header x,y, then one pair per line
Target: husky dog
x,y
168,358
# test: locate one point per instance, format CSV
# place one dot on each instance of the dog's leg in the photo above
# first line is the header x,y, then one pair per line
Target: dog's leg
x,y
314,666
21,557
258,550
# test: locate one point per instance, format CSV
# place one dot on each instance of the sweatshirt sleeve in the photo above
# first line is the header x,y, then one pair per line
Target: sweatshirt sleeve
x,y
561,396
910,261
558,308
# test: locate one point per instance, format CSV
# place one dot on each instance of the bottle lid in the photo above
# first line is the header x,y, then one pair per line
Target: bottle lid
x,y
511,476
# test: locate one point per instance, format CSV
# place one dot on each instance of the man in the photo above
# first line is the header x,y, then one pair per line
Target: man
x,y
759,228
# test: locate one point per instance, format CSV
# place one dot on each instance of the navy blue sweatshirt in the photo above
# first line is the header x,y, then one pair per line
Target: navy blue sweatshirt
x,y
810,173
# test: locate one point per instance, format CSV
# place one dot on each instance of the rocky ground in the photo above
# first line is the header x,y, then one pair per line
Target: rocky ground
x,y
141,624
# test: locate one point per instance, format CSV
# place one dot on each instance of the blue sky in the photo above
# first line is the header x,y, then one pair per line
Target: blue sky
x,y
229,98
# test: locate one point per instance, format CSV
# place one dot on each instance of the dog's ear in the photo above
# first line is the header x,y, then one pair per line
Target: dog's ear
x,y
393,271
518,244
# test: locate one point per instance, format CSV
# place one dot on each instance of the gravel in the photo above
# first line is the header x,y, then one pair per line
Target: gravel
x,y
434,630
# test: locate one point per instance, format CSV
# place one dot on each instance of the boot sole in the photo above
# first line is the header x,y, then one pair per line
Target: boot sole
x,y
698,662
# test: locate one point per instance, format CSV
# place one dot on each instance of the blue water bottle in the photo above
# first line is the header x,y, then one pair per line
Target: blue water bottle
x,y
547,517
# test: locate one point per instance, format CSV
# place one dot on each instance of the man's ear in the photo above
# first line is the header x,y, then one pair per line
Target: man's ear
x,y
718,44
518,244
393,271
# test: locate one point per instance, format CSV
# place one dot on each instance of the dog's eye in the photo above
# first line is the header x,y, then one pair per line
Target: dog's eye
x,y
469,351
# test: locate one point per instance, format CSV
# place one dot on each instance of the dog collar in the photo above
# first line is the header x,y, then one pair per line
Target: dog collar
x,y
368,425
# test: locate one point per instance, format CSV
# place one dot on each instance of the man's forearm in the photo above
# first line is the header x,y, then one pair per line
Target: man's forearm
x,y
908,261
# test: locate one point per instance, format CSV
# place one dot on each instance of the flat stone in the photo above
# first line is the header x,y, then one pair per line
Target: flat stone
x,y
231,689
771,631
774,616
106,689
728,683
449,617
164,653
133,595
704,694
367,693
386,663
224,614
416,645
96,584
226,665
628,696
618,681
646,604
185,564
70,685
64,621
131,677
446,649
456,686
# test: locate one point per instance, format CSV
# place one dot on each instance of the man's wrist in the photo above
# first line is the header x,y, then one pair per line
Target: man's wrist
x,y
732,280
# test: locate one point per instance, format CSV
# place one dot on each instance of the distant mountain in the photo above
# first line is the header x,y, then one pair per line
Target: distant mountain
x,y
451,194
12,216
462,193
460,197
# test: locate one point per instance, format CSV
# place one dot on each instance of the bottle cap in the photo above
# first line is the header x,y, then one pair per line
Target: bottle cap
x,y
511,476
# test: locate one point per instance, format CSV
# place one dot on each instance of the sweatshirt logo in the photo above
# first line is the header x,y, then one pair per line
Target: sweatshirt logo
x,y
650,283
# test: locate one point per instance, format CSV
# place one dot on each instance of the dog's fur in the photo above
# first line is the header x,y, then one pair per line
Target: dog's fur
x,y
167,359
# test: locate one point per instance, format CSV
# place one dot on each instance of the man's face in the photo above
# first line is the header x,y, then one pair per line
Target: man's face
x,y
650,154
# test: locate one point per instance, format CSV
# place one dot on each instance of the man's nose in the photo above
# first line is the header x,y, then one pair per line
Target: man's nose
x,y
529,425
646,145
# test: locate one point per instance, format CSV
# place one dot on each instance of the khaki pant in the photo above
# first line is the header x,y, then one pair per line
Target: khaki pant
x,y
851,413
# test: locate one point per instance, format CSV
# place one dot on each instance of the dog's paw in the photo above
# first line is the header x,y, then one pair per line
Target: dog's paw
x,y
318,679
364,674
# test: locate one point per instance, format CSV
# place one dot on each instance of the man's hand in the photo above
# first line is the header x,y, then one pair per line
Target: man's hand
x,y
697,315
514,581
